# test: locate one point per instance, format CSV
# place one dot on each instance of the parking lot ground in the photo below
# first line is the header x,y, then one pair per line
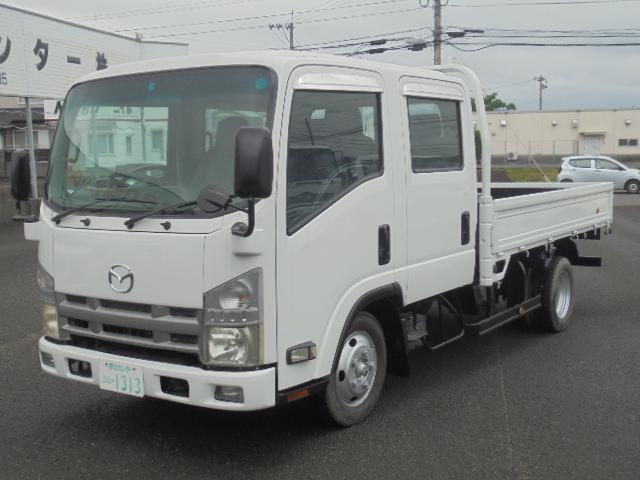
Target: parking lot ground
x,y
512,405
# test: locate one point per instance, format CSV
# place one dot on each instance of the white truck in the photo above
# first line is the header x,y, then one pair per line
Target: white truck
x,y
242,231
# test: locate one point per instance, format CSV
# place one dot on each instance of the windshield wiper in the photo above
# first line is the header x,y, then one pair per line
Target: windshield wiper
x,y
56,219
166,209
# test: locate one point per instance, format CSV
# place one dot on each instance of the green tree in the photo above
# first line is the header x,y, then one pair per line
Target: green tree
x,y
492,102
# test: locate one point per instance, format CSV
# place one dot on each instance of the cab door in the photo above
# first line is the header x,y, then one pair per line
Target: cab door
x,y
335,221
441,190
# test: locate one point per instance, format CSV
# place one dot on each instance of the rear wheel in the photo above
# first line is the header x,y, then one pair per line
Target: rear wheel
x,y
632,186
355,386
566,180
557,296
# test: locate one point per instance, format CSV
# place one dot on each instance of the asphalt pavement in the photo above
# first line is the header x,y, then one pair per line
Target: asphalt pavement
x,y
512,405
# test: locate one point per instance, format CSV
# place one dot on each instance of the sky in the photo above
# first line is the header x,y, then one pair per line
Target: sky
x,y
578,77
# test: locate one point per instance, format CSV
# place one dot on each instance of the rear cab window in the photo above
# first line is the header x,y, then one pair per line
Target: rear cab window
x,y
435,134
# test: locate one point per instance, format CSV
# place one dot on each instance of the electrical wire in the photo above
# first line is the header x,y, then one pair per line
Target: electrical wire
x,y
260,26
257,17
159,10
541,3
533,44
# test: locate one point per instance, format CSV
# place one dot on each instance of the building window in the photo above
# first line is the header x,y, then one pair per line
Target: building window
x,y
628,142
128,141
103,144
329,153
157,140
21,140
434,133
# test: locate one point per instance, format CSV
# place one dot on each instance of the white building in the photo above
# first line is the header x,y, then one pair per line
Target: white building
x,y
550,134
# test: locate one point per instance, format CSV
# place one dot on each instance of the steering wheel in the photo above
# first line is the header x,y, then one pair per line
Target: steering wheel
x,y
336,172
145,169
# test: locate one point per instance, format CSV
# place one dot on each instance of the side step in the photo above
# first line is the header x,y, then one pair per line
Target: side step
x,y
489,324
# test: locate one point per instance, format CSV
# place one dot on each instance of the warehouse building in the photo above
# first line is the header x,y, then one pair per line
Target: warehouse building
x,y
551,134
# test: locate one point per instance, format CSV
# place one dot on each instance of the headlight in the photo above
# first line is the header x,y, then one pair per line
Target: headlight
x,y
45,284
233,322
47,296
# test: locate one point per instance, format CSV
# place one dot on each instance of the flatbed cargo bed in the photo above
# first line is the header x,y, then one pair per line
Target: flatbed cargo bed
x,y
530,215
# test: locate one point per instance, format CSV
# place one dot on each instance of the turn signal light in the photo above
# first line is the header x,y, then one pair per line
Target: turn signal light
x,y
301,353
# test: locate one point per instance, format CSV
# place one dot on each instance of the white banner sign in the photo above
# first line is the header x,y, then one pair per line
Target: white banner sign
x,y
42,56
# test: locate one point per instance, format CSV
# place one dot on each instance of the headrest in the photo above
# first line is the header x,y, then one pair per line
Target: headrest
x,y
228,129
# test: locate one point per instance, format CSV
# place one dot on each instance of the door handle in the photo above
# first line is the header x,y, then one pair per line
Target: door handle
x,y
384,244
465,234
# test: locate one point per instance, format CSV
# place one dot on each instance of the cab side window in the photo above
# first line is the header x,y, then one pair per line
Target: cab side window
x,y
334,146
435,135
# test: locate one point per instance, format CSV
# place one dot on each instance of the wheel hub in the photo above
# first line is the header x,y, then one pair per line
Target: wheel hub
x,y
563,295
357,368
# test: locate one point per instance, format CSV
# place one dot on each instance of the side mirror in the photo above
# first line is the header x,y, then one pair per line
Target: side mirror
x,y
20,176
254,163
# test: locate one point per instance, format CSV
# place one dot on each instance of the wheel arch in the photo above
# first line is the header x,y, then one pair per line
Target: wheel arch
x,y
384,304
630,180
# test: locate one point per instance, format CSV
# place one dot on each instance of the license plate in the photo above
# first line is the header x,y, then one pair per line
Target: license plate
x,y
122,378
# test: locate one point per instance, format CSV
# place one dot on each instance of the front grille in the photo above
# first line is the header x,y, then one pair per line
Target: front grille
x,y
132,332
74,322
132,351
152,327
131,307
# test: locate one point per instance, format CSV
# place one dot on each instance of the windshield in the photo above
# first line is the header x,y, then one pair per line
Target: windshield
x,y
155,139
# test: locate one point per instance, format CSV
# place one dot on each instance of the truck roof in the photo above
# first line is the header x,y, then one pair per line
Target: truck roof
x,y
279,60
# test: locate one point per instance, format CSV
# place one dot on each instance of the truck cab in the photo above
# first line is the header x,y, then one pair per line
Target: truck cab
x,y
239,231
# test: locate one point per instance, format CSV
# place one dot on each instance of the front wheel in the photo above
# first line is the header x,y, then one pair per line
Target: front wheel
x,y
356,383
557,296
632,186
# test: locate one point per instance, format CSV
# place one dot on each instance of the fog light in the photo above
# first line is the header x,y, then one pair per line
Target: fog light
x,y
47,359
50,321
227,393
301,353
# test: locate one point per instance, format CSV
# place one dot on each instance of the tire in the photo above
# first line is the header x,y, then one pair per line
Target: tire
x,y
566,180
557,296
632,186
356,383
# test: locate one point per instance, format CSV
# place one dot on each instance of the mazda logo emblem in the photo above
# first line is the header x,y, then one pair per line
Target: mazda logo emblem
x,y
120,278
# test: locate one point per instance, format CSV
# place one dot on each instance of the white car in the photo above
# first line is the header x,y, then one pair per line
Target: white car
x,y
587,168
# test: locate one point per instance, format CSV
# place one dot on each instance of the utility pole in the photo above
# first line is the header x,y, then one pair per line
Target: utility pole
x,y
290,27
437,32
543,84
283,28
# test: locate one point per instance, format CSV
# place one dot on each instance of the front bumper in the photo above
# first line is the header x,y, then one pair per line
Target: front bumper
x,y
259,386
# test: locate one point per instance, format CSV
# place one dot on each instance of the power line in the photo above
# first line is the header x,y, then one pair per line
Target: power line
x,y
330,4
254,27
541,3
159,10
254,17
538,44
500,87
367,39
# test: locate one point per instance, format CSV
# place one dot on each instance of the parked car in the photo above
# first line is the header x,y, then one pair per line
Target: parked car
x,y
588,168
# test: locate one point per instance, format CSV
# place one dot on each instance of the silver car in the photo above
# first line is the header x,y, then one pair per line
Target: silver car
x,y
591,168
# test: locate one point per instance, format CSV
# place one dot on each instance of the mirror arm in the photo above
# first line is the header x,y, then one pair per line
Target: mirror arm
x,y
242,230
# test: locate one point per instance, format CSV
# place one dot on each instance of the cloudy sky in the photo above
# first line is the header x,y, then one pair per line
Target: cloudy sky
x,y
579,78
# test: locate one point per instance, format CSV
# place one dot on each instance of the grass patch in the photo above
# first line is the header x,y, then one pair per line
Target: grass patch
x,y
528,174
